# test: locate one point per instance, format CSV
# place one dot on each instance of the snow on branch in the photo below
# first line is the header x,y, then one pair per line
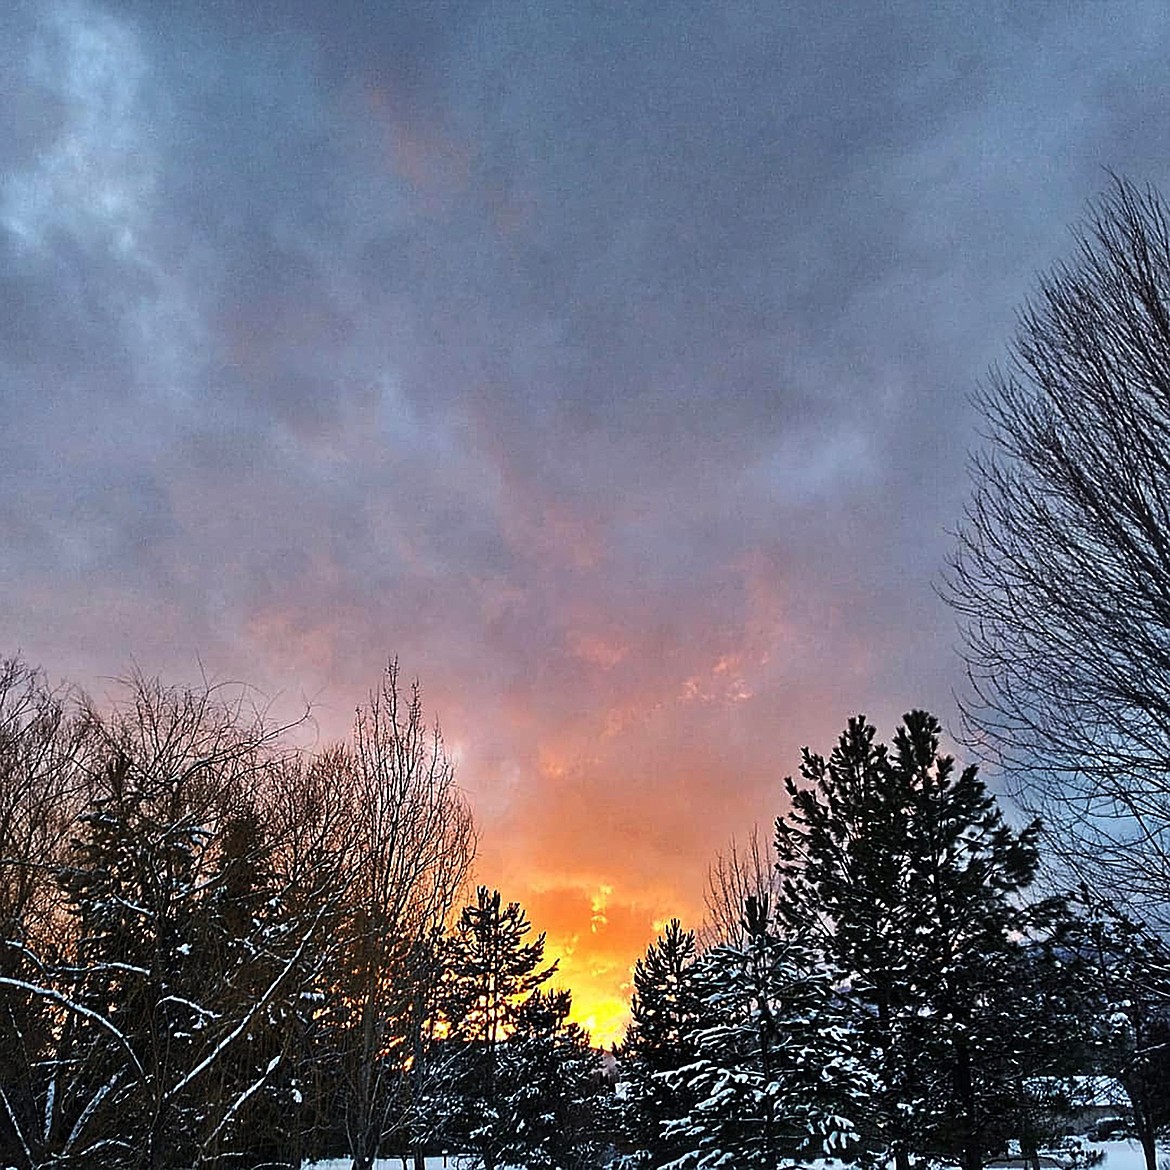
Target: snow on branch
x,y
70,1005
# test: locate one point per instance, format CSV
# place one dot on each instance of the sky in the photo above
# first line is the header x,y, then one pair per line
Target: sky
x,y
607,363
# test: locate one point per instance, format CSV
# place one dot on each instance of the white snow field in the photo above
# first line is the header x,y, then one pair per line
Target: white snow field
x,y
1122,1155
398,1164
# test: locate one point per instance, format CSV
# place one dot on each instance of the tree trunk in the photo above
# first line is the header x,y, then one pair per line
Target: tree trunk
x,y
972,1152
1142,1123
1149,1146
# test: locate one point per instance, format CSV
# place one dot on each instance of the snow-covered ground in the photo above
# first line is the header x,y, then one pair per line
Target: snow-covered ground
x,y
1118,1155
1124,1155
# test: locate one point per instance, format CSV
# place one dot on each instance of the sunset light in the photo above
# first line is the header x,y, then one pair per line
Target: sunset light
x,y
607,366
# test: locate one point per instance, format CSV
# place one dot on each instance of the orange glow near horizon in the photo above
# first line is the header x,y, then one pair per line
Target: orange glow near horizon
x,y
606,1023
597,967
595,934
605,785
605,773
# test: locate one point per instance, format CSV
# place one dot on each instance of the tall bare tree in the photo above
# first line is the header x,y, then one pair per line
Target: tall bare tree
x,y
413,849
45,745
217,948
1062,574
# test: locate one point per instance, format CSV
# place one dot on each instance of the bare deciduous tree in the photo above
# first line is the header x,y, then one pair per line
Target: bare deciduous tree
x,y
1062,573
741,872
45,744
216,948
171,957
413,848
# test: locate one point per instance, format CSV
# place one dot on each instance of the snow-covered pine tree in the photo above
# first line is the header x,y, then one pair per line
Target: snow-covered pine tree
x,y
840,850
916,888
775,1079
132,978
310,820
664,1013
549,1090
490,971
1129,968
188,957
248,933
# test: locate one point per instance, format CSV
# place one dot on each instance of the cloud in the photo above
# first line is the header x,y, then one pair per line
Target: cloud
x,y
608,365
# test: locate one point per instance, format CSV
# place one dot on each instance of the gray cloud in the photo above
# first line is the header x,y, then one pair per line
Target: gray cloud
x,y
607,362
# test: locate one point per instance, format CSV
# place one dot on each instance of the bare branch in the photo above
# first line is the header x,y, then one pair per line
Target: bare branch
x,y
1062,574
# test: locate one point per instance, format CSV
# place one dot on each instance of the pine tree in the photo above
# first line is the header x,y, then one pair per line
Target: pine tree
x,y
491,970
190,960
1129,968
246,934
665,1004
664,1013
916,885
774,1077
132,976
549,1089
1048,1004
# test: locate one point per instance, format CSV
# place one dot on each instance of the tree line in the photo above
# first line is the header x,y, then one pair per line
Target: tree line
x,y
898,910
887,985
218,950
